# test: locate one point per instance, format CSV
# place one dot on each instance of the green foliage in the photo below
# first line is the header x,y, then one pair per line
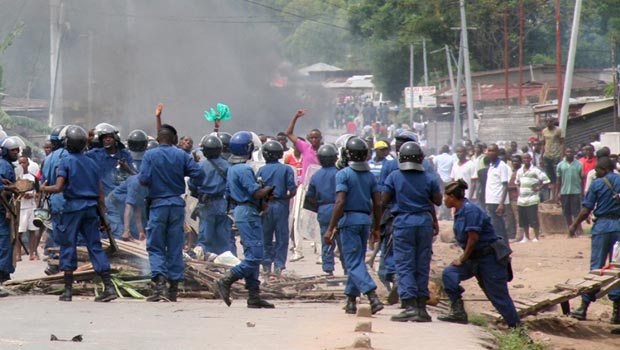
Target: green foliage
x,y
516,339
478,320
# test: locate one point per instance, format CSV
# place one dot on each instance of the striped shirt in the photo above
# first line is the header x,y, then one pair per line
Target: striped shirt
x,y
527,179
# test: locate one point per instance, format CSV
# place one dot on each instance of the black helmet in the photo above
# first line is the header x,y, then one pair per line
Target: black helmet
x,y
410,157
272,151
225,138
327,154
356,151
152,144
75,139
55,137
137,141
211,146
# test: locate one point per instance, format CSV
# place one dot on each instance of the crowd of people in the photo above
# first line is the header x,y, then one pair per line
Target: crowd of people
x,y
366,192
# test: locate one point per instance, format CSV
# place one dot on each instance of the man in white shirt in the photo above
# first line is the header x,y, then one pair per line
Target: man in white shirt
x,y
26,212
463,169
496,191
443,163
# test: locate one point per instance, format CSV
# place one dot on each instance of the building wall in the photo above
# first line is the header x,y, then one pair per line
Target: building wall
x,y
580,129
505,124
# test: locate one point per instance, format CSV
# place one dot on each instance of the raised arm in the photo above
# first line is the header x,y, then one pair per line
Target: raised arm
x,y
291,127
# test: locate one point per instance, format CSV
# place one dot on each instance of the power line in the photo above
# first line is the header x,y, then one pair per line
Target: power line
x,y
295,14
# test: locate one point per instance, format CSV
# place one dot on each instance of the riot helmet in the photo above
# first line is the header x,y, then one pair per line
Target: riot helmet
x,y
410,157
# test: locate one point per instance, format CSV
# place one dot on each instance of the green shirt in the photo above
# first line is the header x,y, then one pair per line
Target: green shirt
x,y
571,177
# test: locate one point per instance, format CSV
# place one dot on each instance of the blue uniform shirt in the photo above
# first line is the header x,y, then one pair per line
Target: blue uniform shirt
x,y
359,187
213,184
240,186
49,174
107,165
323,188
392,165
471,217
600,199
136,193
163,171
82,175
8,173
279,175
412,192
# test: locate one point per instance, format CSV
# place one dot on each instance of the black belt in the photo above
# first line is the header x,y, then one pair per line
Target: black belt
x,y
357,211
479,253
608,216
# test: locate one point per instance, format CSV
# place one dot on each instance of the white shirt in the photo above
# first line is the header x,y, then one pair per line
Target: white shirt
x,y
465,171
27,203
33,168
443,163
497,176
526,181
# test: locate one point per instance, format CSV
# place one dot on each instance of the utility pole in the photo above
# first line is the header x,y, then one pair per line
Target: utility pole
x,y
91,80
558,53
614,71
470,97
56,33
570,65
456,129
411,83
506,63
521,33
424,58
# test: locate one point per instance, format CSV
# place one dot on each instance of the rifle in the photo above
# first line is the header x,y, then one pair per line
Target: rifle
x,y
113,247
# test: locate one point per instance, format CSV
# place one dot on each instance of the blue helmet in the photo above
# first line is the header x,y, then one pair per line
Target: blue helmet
x,y
241,147
407,136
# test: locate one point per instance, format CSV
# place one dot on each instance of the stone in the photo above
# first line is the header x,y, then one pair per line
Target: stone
x,y
362,342
363,326
518,286
250,324
364,311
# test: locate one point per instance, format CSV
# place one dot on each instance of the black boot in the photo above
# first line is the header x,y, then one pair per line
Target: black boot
x,y
457,313
223,286
256,302
173,291
351,307
51,270
392,298
410,313
159,293
66,295
615,314
423,315
581,311
109,293
375,304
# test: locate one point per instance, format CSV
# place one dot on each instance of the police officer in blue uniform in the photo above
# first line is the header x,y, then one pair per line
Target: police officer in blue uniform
x,y
322,192
275,217
225,138
10,153
115,163
137,142
116,209
79,179
357,197
246,195
56,200
485,256
387,268
163,172
414,193
602,199
215,226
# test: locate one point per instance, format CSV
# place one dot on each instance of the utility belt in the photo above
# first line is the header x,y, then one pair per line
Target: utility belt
x,y
357,211
500,250
608,217
205,198
479,253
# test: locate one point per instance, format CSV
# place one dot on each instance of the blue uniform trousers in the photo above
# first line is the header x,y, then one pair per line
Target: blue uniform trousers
x,y
327,250
413,248
493,276
165,240
387,266
354,244
6,249
602,244
275,225
215,231
86,223
115,214
252,240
